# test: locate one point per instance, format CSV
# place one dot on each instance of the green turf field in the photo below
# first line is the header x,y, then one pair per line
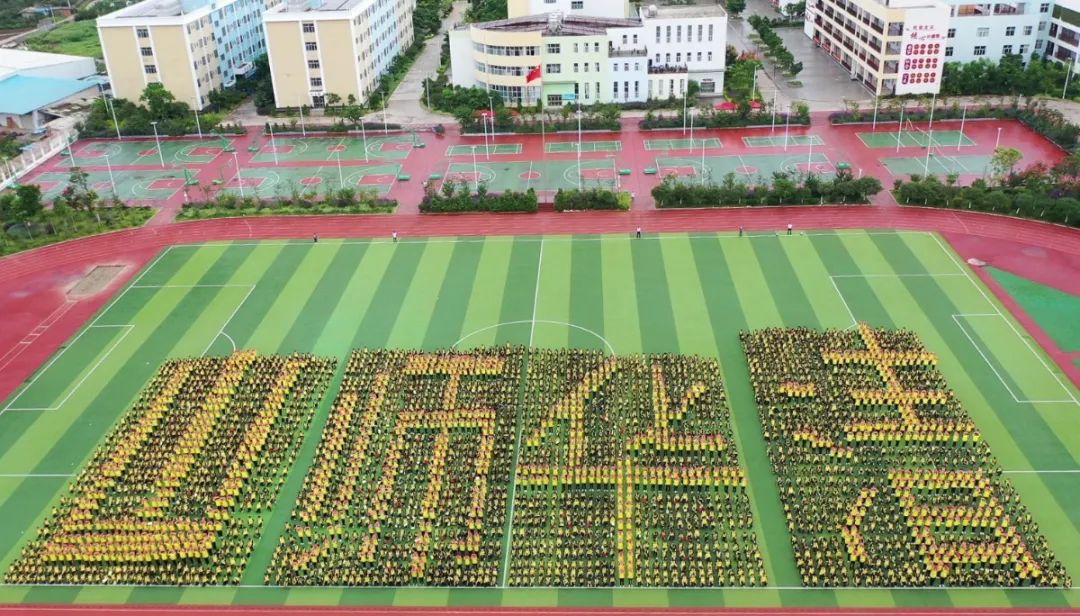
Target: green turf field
x,y
149,185
284,181
1055,311
939,163
775,141
757,168
563,147
330,148
681,293
682,144
914,138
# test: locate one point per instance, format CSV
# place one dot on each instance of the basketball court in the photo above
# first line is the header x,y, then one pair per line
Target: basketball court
x,y
779,141
914,137
143,185
121,153
542,176
268,182
308,149
484,150
682,144
564,147
757,169
940,163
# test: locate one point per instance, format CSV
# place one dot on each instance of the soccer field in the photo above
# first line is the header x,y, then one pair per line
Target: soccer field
x,y
678,293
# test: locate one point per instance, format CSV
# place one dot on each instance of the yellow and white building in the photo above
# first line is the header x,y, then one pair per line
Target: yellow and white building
x,y
191,47
337,47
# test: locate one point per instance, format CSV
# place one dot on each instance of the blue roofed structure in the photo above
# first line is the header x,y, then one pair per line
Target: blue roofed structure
x,y
22,94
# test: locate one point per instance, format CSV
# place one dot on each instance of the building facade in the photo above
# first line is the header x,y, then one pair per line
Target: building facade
x,y
191,47
337,47
1060,40
558,58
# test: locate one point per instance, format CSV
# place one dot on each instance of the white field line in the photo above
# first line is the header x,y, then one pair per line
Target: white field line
x,y
536,292
10,406
1036,352
221,332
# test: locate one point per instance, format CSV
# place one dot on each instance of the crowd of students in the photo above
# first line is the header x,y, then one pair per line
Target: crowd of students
x,y
176,493
883,477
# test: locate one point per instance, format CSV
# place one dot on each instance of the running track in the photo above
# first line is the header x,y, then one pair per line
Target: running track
x,y
39,317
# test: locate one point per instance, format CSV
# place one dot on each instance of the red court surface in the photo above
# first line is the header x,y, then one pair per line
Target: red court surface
x,y
841,144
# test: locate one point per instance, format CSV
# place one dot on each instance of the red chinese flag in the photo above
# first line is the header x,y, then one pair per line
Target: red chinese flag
x,y
533,75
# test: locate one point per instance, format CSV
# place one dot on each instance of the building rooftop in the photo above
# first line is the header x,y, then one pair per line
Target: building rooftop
x,y
317,6
161,8
12,60
21,94
566,25
701,9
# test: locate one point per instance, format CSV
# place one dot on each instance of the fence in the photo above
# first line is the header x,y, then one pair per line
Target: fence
x,y
32,157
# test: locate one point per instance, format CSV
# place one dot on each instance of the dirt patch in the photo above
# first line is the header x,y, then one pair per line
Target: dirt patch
x,y
96,281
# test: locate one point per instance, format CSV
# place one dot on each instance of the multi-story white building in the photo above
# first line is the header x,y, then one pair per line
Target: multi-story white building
x,y
558,58
191,47
900,46
1060,34
341,47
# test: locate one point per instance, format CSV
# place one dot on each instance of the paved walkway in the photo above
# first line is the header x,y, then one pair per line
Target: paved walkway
x,y
405,106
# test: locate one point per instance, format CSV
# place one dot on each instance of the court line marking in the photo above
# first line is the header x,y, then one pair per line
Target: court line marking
x,y
10,405
221,332
1036,352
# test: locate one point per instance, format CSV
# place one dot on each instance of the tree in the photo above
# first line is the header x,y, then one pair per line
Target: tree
x,y
158,101
1005,161
795,10
28,199
736,7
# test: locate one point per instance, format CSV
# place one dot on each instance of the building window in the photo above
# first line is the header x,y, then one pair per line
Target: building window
x,y
710,32
709,56
577,4
309,26
637,89
1038,44
553,48
980,50
313,64
586,67
708,86
554,68
586,89
667,35
625,39
948,52
142,32
151,69
575,67
951,33
635,39
575,47
1010,30
1027,30
1006,50
554,100
982,32
626,66
678,34
596,47
1044,7
699,56
318,101
146,51
316,82
615,67
311,46
1024,49
700,32
657,34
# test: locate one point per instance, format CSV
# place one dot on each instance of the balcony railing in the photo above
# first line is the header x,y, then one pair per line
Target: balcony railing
x,y
667,69
627,53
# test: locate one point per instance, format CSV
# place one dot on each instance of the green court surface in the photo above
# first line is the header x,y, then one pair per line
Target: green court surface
x,y
144,185
483,150
1056,312
116,153
775,141
284,181
682,144
678,293
883,138
330,148
747,168
940,162
562,147
542,176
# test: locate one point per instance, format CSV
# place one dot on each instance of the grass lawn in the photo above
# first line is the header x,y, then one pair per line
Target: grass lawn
x,y
1055,311
679,293
74,224
77,38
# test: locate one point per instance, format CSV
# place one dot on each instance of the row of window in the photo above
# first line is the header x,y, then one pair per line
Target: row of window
x,y
679,33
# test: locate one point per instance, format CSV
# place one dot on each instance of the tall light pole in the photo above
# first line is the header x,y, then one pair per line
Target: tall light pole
x,y
112,180
487,148
340,178
303,129
579,146
363,133
198,124
385,104
273,143
692,109
112,110
683,113
491,108
239,178
1072,68
475,171
157,140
